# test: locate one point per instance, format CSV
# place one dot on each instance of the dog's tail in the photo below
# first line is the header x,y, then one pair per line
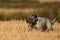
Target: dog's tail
x,y
53,20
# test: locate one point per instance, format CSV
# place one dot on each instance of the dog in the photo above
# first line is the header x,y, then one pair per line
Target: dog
x,y
40,23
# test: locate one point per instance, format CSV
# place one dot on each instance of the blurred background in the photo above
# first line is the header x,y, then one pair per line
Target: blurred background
x,y
21,9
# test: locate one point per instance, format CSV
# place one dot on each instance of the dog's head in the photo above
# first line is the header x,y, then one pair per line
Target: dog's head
x,y
32,19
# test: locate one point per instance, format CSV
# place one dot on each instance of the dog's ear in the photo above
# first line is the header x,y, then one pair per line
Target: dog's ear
x,y
35,19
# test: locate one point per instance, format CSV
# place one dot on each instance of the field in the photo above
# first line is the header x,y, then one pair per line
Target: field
x,y
18,30
14,13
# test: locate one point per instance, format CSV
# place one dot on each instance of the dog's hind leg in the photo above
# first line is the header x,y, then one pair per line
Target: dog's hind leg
x,y
49,26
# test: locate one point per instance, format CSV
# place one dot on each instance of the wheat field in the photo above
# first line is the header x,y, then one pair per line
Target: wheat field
x,y
18,30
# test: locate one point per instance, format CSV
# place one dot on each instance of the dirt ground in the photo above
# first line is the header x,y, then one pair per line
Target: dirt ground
x,y
18,30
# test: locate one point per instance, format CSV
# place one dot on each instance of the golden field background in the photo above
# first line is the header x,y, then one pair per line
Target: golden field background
x,y
18,30
19,9
13,28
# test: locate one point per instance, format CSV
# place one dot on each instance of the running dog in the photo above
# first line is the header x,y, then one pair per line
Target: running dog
x,y
40,23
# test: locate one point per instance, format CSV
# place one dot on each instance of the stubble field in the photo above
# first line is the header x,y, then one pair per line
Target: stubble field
x,y
18,30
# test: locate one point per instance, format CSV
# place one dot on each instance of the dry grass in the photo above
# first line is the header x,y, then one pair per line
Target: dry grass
x,y
12,10
17,30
